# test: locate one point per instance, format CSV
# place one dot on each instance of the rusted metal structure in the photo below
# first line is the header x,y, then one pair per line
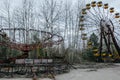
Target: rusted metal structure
x,y
25,45
21,40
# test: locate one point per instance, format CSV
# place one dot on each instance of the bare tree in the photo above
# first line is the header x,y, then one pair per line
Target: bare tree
x,y
53,16
25,18
71,30
50,13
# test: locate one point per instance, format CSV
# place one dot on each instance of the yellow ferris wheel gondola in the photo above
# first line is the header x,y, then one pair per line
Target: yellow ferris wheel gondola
x,y
96,54
82,18
95,50
81,25
84,38
110,55
117,15
93,4
82,28
88,6
103,54
84,34
84,11
99,4
112,10
106,6
89,43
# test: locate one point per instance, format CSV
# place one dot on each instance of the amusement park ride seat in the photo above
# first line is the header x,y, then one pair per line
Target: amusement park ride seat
x,y
25,65
26,47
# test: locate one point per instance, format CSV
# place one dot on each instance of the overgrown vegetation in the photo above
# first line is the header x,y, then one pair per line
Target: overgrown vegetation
x,y
57,17
88,54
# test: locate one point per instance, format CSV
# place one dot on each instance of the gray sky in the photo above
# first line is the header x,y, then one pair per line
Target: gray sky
x,y
112,3
15,3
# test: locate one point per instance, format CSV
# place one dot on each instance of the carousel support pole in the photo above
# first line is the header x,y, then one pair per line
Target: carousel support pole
x,y
12,72
34,74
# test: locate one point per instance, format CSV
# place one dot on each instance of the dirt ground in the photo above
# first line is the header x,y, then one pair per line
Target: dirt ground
x,y
112,73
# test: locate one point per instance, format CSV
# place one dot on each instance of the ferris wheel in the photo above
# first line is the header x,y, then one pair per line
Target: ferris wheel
x,y
104,21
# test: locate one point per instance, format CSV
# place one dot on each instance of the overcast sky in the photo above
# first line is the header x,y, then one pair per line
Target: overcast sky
x,y
112,3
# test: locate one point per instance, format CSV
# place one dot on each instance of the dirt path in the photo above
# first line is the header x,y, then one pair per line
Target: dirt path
x,y
85,74
92,74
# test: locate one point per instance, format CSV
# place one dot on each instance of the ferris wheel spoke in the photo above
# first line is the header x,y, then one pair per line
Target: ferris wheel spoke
x,y
117,39
115,21
92,18
92,22
104,13
91,25
107,15
98,14
93,31
117,33
111,16
117,28
95,16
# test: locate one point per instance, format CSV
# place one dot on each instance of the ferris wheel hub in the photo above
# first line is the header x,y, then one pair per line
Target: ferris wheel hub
x,y
106,24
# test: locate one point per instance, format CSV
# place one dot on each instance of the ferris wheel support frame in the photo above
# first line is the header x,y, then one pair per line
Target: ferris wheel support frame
x,y
107,41
102,17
